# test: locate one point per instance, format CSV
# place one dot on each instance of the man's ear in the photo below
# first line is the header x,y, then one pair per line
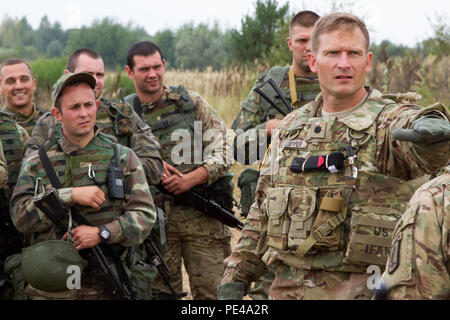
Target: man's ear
x,y
129,72
56,113
312,62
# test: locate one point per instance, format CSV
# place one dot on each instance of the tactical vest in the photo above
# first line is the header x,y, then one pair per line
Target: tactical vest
x,y
333,221
12,149
176,112
114,119
74,171
305,93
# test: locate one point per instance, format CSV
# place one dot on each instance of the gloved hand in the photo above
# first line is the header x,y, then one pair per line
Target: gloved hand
x,y
230,291
425,131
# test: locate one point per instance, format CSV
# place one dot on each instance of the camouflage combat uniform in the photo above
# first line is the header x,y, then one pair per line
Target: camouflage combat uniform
x,y
13,139
202,242
129,221
419,264
3,168
115,119
27,123
321,230
255,112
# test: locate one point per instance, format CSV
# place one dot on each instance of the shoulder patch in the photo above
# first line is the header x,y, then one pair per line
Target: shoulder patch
x,y
394,257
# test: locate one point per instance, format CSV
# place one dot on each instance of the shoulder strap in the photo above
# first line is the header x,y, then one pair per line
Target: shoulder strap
x,y
79,219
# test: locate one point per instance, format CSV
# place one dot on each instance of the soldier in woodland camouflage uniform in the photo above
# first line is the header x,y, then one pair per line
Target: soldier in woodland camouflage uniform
x,y
3,168
201,241
13,139
338,177
299,86
18,86
83,148
419,264
113,118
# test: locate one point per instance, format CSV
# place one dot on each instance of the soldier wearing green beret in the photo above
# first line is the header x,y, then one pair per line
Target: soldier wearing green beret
x,y
81,158
338,176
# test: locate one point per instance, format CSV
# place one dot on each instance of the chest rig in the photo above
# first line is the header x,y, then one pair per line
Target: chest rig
x,y
176,112
327,216
12,149
87,167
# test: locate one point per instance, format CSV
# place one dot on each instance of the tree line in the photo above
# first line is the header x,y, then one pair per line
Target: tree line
x,y
259,39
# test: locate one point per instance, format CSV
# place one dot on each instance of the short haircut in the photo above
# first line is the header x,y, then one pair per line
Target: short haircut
x,y
338,21
58,100
14,61
73,58
304,19
142,48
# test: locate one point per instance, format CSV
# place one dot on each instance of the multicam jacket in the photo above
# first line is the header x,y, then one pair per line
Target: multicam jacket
x,y
27,123
419,264
115,119
331,219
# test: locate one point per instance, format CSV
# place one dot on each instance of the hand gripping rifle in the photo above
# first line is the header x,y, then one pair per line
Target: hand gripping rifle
x,y
210,207
52,207
267,98
157,260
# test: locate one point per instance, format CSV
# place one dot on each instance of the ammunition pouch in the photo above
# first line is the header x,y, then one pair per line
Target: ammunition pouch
x,y
122,115
247,183
371,232
14,275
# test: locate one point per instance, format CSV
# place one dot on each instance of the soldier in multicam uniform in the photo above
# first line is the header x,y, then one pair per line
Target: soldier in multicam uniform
x,y
335,181
113,118
418,266
201,241
299,86
126,223
296,82
18,85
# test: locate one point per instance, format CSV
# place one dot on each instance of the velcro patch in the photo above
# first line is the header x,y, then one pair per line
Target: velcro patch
x,y
394,258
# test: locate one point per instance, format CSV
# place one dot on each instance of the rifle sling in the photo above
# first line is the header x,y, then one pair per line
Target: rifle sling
x,y
80,220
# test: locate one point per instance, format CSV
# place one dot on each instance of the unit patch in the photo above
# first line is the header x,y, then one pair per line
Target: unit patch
x,y
394,258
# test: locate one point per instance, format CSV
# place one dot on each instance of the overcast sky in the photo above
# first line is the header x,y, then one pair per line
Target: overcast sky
x,y
400,21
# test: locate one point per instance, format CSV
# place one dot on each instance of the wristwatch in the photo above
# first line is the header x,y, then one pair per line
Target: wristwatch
x,y
104,234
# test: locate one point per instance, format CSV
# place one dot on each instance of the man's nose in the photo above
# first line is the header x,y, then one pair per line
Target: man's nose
x,y
343,62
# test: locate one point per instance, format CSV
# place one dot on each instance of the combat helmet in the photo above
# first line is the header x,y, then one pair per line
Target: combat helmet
x,y
45,265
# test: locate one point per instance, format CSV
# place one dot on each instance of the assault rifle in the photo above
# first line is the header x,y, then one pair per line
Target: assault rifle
x,y
157,260
50,204
272,103
208,206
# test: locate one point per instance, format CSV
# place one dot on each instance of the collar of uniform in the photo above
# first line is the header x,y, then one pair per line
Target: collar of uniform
x,y
364,116
166,91
69,147
21,117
